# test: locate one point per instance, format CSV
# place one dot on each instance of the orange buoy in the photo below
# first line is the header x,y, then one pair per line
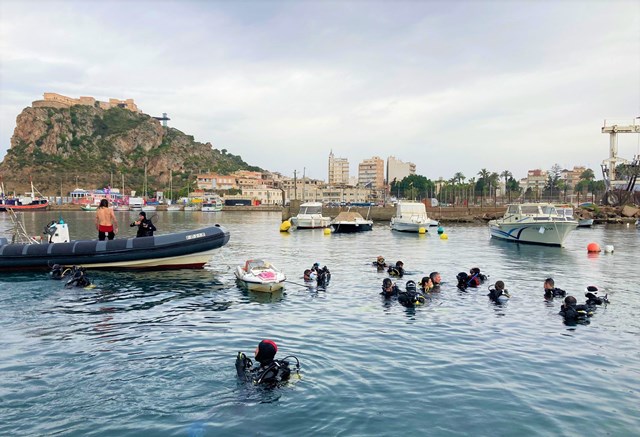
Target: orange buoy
x,y
593,247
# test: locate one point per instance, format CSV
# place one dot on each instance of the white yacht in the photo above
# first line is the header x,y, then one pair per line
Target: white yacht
x,y
310,216
410,217
533,223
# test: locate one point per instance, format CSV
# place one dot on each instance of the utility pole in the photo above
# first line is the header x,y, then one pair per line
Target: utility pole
x,y
304,170
295,185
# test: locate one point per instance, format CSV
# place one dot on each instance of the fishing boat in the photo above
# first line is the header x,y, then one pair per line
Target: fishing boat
x,y
533,223
28,202
349,222
259,275
89,207
180,250
310,217
212,205
410,217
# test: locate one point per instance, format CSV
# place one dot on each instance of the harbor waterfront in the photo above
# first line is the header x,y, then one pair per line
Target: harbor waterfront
x,y
152,353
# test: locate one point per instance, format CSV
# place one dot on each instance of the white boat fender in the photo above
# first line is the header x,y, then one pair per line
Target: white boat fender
x,y
608,248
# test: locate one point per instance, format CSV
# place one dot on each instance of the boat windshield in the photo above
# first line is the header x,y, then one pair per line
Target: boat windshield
x,y
550,210
257,264
311,209
530,209
411,209
513,209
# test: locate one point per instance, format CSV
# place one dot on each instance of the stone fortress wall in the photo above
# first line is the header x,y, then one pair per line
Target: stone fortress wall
x,y
54,100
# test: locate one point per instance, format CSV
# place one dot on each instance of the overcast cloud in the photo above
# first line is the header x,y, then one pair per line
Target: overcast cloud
x,y
451,86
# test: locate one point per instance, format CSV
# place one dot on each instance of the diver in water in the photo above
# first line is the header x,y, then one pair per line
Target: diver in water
x,y
389,289
397,270
59,272
550,290
78,278
309,275
380,264
498,293
437,281
410,297
323,277
593,298
476,278
426,285
570,309
270,371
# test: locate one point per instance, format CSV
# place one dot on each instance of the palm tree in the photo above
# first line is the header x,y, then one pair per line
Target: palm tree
x,y
484,175
472,189
506,175
459,177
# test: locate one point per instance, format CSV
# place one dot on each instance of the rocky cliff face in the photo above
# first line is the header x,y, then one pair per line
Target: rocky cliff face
x,y
58,146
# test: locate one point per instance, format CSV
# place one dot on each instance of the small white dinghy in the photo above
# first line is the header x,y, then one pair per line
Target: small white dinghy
x,y
259,275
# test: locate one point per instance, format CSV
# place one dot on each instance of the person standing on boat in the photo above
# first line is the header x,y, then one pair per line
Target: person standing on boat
x,y
106,223
146,227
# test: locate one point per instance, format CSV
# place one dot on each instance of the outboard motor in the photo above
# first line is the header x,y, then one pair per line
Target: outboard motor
x,y
57,232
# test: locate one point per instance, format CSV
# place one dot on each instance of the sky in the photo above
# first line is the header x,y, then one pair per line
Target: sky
x,y
452,86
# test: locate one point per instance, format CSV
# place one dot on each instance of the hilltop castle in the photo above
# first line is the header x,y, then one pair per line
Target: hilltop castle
x,y
54,100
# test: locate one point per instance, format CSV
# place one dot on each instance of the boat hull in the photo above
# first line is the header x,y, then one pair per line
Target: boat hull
x,y
190,249
545,233
585,223
253,282
348,228
410,226
31,207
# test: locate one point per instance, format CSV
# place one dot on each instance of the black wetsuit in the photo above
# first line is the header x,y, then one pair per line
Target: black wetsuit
x,y
576,312
550,293
410,298
391,293
267,373
145,229
592,299
396,271
494,294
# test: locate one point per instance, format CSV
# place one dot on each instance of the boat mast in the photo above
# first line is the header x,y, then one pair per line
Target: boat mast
x,y
171,185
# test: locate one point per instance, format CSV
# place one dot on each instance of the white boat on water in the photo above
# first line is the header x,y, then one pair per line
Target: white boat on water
x,y
410,217
174,208
310,217
349,221
121,207
213,205
259,275
149,208
533,223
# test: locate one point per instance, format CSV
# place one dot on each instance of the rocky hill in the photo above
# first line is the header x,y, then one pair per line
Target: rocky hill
x,y
90,146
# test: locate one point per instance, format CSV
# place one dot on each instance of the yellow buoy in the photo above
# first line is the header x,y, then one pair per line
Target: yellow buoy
x,y
421,230
444,237
327,231
285,226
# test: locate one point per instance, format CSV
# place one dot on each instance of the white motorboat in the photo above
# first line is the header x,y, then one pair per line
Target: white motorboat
x,y
533,223
259,275
348,221
174,208
410,217
310,217
213,205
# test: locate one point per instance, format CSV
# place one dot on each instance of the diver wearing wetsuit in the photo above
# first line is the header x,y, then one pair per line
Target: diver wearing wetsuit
x,y
498,294
397,270
410,297
570,310
389,289
380,264
550,290
270,371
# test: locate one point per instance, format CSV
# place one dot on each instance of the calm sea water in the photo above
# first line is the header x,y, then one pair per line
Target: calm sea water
x,y
153,353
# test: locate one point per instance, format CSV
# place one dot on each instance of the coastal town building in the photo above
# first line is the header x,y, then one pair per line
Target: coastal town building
x,y
371,173
535,180
398,170
214,181
338,170
260,195
55,100
572,177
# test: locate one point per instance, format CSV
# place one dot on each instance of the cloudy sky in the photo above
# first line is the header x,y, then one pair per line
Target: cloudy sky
x,y
451,86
